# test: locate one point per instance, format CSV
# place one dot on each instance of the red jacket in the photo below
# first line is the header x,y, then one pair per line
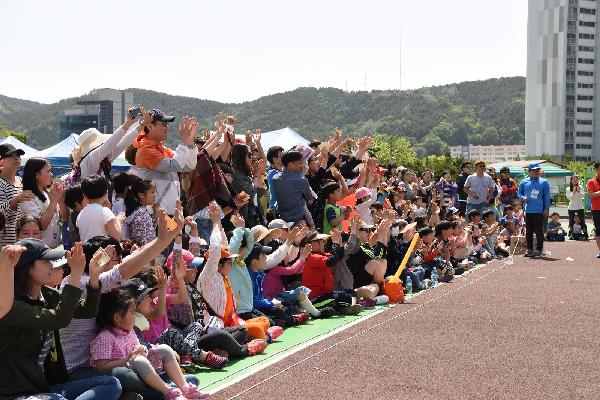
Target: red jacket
x,y
317,276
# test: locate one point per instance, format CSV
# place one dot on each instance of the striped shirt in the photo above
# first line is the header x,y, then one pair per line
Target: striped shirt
x,y
210,281
76,338
7,192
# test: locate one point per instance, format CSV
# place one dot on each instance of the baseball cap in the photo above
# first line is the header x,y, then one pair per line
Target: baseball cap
x,y
138,288
158,115
7,149
280,224
190,261
256,250
37,250
533,166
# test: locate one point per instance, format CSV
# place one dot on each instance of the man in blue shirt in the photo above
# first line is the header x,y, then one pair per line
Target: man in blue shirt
x,y
534,192
291,188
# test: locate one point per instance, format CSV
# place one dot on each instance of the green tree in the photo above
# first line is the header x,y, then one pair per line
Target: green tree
x,y
432,144
5,132
394,149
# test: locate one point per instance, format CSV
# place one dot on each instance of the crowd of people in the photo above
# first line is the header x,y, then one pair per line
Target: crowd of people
x,y
117,284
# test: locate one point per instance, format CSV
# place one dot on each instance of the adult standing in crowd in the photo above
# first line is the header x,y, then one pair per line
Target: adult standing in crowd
x,y
480,189
534,192
508,188
466,168
156,162
574,193
593,189
248,178
11,191
45,206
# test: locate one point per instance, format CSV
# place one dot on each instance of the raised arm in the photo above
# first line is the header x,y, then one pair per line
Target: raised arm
x,y
214,247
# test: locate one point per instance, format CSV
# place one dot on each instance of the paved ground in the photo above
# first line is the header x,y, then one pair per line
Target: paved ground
x,y
522,331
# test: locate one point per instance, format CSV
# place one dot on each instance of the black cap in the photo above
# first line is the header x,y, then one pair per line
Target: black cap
x,y
256,250
7,149
37,250
138,288
158,115
290,156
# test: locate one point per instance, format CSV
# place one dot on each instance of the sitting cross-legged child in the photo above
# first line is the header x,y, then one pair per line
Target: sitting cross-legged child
x,y
555,233
577,231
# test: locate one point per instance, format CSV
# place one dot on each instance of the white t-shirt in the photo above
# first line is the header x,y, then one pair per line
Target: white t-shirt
x,y
92,221
575,199
36,207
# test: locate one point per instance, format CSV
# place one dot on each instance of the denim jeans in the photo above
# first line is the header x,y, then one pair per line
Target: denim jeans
x,y
204,228
99,387
129,381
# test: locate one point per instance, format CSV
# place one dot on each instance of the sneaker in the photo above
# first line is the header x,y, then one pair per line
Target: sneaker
x,y
426,284
274,332
382,299
186,359
598,255
327,312
301,318
354,309
536,253
529,253
367,303
174,394
191,392
221,353
214,361
256,346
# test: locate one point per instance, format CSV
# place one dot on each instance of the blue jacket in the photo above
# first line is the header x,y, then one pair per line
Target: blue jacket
x,y
239,278
260,303
537,192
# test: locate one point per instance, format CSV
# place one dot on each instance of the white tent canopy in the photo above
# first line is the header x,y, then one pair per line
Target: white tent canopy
x,y
60,150
29,151
285,137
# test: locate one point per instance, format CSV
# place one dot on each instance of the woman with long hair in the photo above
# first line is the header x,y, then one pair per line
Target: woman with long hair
x,y
575,195
45,205
248,178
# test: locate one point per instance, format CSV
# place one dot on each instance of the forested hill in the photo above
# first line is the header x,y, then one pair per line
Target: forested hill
x,y
479,112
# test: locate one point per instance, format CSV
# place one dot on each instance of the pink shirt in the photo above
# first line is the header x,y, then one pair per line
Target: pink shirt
x,y
158,325
112,344
273,284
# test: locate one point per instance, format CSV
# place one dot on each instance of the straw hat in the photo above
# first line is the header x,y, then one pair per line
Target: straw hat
x,y
89,140
260,232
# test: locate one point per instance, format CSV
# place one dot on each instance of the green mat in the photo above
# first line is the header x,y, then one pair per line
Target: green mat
x,y
292,339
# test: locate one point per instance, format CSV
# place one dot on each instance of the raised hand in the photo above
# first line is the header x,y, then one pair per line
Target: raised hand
x,y
148,119
298,234
257,136
248,137
238,221
10,254
336,236
214,212
25,195
355,224
161,277
56,193
96,267
76,260
187,130
179,270
306,251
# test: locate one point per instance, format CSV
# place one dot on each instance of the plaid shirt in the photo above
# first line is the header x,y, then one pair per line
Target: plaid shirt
x,y
113,344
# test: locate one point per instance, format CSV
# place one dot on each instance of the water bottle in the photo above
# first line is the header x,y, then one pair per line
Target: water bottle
x,y
434,277
408,286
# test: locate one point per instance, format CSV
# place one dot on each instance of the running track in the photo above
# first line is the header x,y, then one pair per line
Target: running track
x,y
522,331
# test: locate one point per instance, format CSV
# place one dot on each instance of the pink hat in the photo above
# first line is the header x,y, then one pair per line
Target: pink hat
x,y
190,260
362,192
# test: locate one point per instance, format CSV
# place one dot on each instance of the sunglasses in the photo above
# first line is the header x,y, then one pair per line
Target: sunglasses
x,y
367,229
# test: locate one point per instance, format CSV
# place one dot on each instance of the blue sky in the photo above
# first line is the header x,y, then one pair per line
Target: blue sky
x,y
237,51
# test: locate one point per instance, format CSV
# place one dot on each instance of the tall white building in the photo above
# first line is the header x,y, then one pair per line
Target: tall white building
x,y
560,115
491,154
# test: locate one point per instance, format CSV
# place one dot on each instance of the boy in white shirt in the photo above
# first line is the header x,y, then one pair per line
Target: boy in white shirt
x,y
95,219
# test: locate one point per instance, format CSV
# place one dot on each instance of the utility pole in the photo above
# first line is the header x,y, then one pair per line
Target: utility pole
x,y
365,81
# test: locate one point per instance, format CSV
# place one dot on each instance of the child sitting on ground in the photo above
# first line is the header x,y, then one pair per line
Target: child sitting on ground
x,y
117,345
556,232
140,223
478,249
577,232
